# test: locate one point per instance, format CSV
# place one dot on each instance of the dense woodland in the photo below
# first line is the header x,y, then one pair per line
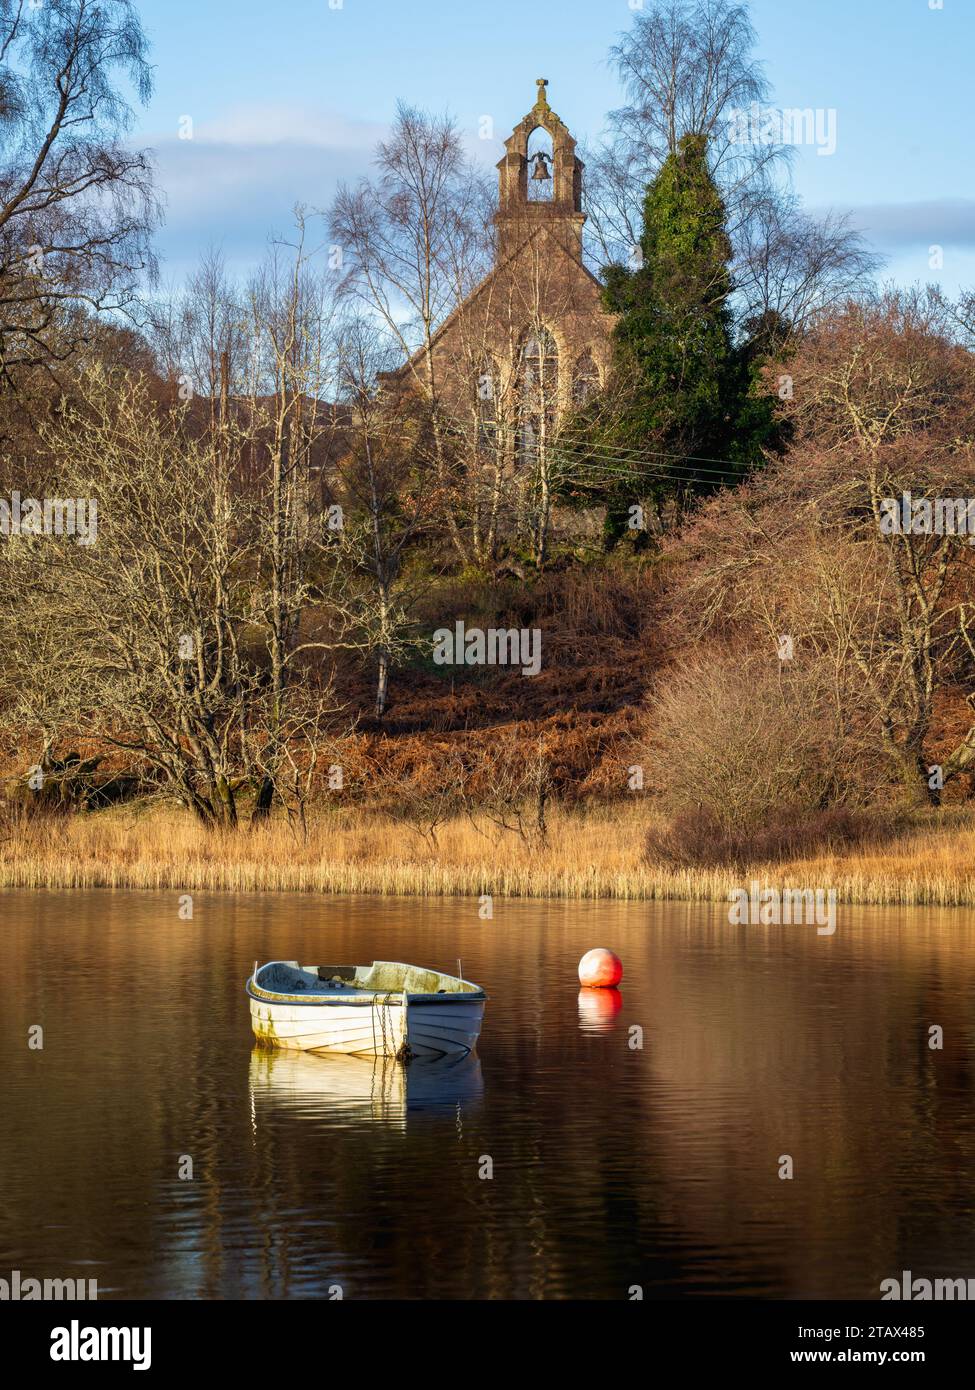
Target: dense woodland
x,y
729,631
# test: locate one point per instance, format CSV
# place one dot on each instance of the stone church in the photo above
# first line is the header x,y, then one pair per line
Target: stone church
x,y
532,339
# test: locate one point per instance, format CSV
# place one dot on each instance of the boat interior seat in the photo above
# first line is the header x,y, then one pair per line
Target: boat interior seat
x,y
394,976
288,977
382,976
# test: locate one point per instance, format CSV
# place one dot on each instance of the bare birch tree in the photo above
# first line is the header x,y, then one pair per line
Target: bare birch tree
x,y
136,639
76,203
687,67
387,480
414,247
293,336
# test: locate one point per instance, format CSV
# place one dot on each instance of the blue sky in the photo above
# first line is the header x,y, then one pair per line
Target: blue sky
x,y
288,97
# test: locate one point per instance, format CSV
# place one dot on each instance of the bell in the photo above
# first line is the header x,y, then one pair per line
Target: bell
x,y
541,173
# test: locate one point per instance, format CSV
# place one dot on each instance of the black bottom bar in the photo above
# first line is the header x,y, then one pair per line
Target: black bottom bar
x,y
298,1338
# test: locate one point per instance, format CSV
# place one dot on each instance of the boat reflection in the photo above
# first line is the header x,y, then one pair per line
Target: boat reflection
x,y
349,1090
598,1009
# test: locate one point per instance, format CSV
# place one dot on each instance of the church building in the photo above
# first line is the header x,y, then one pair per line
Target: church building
x,y
532,339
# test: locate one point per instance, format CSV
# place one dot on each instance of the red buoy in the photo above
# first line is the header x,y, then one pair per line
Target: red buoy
x,y
600,969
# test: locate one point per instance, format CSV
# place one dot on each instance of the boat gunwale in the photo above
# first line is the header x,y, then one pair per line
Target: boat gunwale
x,y
368,1001
359,1001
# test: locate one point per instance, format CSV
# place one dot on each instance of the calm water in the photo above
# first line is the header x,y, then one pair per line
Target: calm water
x,y
612,1165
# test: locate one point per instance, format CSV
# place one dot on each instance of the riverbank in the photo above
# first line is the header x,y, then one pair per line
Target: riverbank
x,y
587,854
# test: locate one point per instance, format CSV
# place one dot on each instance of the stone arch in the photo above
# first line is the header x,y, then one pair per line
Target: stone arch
x,y
540,158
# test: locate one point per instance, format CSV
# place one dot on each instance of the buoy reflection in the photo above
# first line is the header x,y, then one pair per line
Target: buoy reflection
x,y
598,1009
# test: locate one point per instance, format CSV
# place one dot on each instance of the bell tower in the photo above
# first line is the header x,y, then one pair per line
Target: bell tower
x,y
518,215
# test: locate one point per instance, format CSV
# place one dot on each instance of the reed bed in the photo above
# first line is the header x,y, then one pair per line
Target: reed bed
x,y
593,854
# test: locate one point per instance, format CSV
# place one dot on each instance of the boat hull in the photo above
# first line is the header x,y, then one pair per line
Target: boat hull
x,y
435,1030
381,1029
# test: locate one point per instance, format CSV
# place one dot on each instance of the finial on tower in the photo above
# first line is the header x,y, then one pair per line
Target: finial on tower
x,y
542,100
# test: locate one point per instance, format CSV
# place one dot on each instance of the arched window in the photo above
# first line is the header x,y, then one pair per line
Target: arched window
x,y
541,157
538,383
487,403
585,379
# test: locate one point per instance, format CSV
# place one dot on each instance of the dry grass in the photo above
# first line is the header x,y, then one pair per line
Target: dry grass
x,y
594,854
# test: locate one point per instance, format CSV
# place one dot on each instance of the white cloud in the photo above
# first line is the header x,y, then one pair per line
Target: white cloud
x,y
941,221
271,125
236,182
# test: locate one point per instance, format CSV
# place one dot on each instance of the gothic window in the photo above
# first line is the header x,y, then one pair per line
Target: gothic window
x,y
487,404
585,379
538,380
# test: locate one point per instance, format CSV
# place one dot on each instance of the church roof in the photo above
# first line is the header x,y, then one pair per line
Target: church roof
x,y
484,283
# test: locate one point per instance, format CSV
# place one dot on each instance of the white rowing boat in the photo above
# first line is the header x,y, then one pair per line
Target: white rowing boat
x,y
386,1009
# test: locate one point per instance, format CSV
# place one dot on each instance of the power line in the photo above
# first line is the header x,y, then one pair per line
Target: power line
x,y
689,458
565,443
606,462
605,458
